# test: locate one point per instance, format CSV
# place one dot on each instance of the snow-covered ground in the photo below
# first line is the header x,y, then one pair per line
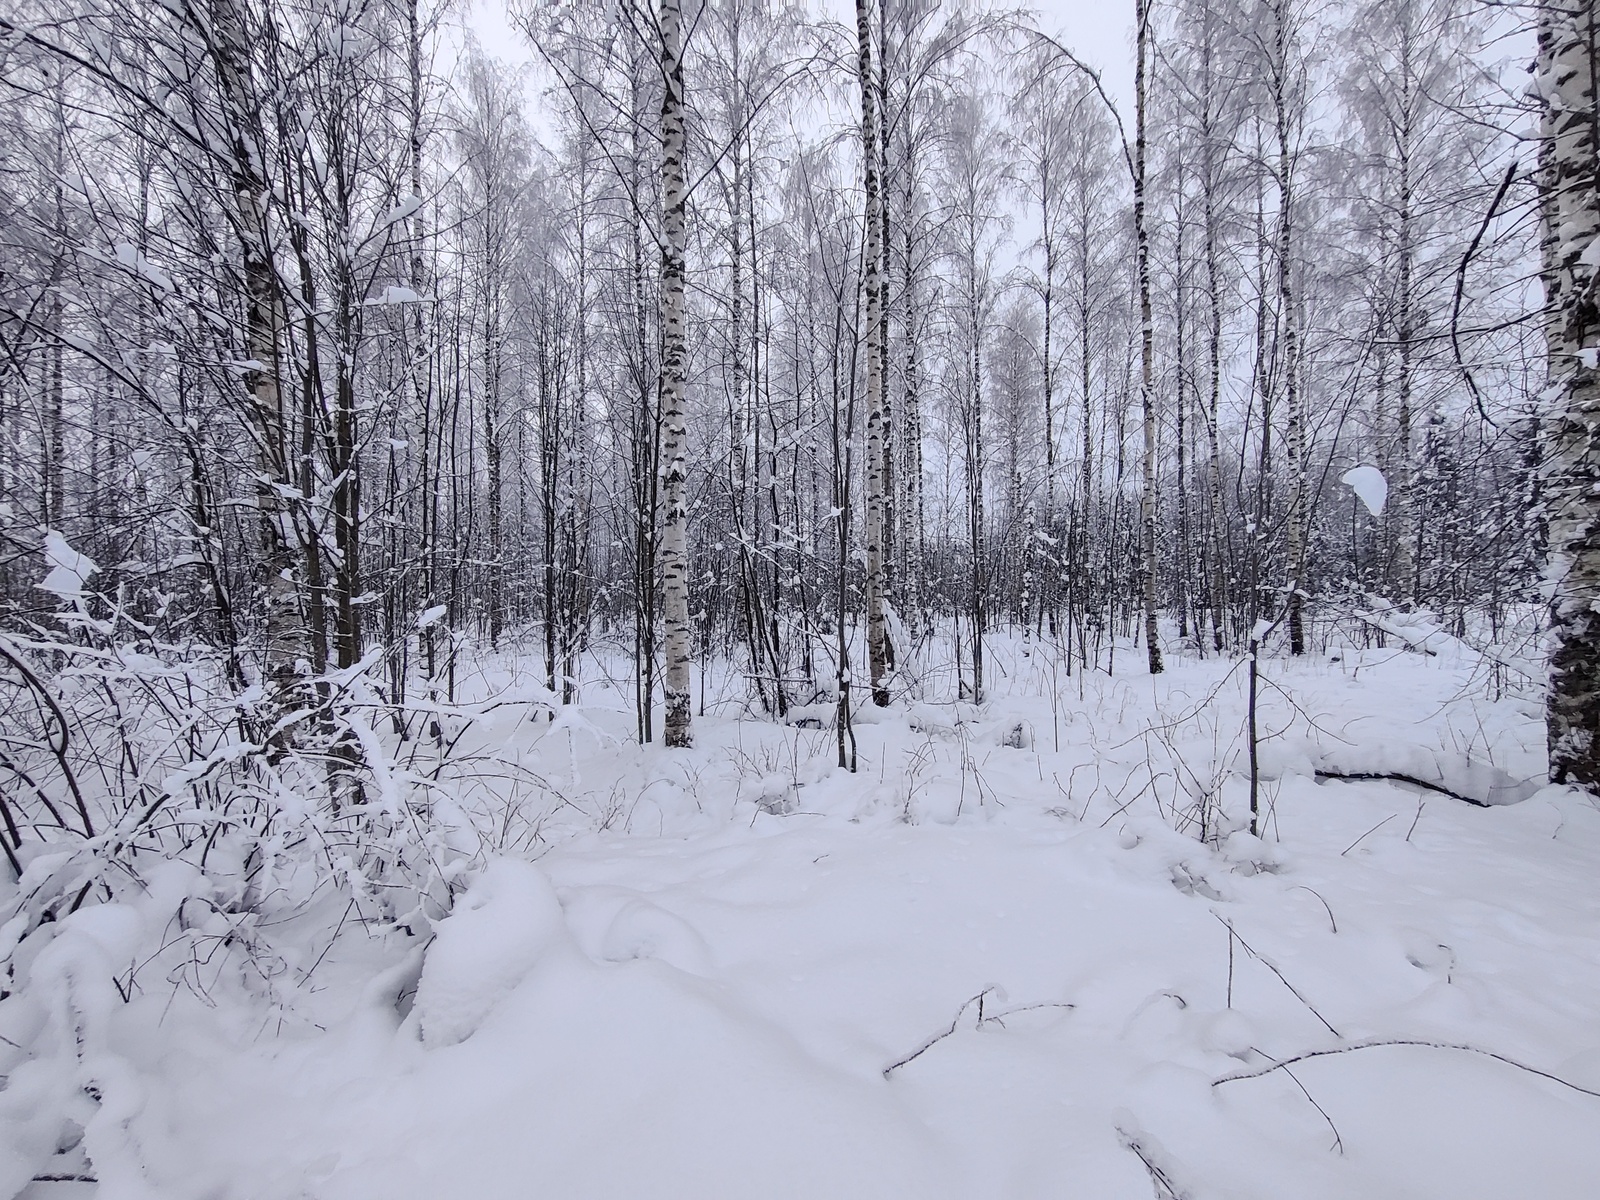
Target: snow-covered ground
x,y
1027,950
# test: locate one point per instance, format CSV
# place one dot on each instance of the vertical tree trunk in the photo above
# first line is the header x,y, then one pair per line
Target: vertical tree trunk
x,y
493,335
1294,429
55,435
285,631
977,518
1567,70
1080,582
1403,585
677,729
1209,165
1147,352
872,270
1180,396
912,500
1048,599
1262,383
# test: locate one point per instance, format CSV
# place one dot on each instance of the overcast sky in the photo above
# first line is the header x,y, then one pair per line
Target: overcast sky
x,y
1101,31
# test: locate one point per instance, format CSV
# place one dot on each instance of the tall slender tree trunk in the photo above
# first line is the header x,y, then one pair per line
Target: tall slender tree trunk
x,y
1288,316
285,629
1049,599
1180,396
877,415
912,500
1147,351
1080,583
1567,70
493,335
677,728
1404,582
55,435
1209,166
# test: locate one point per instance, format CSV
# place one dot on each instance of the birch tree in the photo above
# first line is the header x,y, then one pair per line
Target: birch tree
x,y
1568,61
677,727
873,284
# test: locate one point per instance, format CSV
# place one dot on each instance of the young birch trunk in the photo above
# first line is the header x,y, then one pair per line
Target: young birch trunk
x,y
285,630
1567,70
1404,583
419,365
872,253
493,335
976,518
1294,439
1147,354
1049,598
1217,531
677,729
1181,412
912,501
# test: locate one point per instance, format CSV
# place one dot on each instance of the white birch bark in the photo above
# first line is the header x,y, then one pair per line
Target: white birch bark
x,y
1294,434
1147,354
1567,68
677,728
872,267
285,656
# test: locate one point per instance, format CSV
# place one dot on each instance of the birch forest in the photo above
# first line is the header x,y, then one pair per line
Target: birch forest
x,y
452,460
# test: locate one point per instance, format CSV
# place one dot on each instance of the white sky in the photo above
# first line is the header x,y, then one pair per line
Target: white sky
x,y
1099,31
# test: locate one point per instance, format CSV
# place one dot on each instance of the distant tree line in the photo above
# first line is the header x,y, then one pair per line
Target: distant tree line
x,y
732,334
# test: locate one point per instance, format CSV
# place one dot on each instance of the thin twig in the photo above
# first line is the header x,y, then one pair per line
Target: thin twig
x,y
1376,1042
938,1037
1338,1142
1166,1187
1302,887
1415,819
1366,835
1248,949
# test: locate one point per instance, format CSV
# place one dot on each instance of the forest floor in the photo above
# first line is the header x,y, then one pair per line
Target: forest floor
x,y
1028,950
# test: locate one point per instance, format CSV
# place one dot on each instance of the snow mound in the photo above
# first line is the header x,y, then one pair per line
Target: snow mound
x,y
509,919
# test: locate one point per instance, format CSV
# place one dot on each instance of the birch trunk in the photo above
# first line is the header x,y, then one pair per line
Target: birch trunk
x,y
1147,354
872,267
1294,432
677,728
1567,69
1210,167
285,631
912,540
1404,584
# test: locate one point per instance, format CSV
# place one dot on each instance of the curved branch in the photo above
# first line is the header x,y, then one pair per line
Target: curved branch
x,y
1461,286
1376,1042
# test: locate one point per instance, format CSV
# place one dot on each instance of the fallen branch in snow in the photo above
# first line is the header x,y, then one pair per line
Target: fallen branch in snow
x,y
955,1023
1402,634
1510,1062
939,1037
1160,1173
1398,777
999,1018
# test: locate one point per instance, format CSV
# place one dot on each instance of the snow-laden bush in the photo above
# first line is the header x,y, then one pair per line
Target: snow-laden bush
x,y
164,829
